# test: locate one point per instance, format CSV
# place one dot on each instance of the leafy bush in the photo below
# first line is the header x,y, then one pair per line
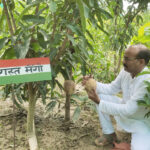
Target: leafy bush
x,y
146,100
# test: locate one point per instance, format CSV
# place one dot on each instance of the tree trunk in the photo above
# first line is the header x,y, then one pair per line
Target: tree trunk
x,y
119,60
115,63
67,108
68,96
33,144
119,63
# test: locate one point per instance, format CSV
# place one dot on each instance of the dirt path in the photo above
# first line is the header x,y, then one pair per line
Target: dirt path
x,y
52,132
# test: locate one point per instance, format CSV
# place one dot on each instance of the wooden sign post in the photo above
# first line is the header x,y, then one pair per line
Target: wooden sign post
x,y
16,71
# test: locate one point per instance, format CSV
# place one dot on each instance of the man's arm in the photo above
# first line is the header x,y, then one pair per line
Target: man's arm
x,y
124,109
113,88
93,96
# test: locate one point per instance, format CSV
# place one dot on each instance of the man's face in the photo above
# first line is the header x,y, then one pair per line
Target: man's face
x,y
130,63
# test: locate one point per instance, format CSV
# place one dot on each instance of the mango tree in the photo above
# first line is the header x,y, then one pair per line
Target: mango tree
x,y
121,28
47,28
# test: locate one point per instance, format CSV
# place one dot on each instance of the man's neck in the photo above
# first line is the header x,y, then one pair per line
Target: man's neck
x,y
137,72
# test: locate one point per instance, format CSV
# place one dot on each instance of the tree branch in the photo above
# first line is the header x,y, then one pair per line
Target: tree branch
x,y
13,20
62,48
8,17
54,28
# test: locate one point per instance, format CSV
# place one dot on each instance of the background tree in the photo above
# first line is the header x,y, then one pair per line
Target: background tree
x,y
79,37
40,29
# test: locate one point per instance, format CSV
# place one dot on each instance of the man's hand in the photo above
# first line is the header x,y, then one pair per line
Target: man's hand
x,y
85,79
91,93
93,96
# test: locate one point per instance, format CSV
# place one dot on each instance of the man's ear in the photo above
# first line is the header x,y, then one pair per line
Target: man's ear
x,y
142,61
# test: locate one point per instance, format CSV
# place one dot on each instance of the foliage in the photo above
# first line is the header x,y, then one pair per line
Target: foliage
x,y
55,29
143,35
100,62
146,100
108,48
79,36
81,102
62,31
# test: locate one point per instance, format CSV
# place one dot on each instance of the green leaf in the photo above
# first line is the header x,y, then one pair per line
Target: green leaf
x,y
148,86
147,32
144,72
83,69
141,103
53,53
147,82
143,35
81,9
11,4
51,106
90,35
17,104
33,4
19,97
35,46
65,73
147,115
9,53
45,35
69,61
41,40
86,10
99,17
59,84
107,14
76,114
3,41
67,70
91,2
2,20
34,19
41,10
71,39
102,29
23,6
73,29
148,89
18,91
90,46
57,39
53,6
52,82
138,18
29,2
81,98
93,20
147,99
92,106
22,48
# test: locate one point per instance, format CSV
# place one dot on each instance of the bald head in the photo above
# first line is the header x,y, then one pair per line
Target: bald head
x,y
140,51
139,47
136,57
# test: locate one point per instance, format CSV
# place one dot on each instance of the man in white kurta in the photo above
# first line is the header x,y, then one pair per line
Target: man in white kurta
x,y
128,115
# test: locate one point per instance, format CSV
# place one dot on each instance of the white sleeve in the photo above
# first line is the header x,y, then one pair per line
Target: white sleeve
x,y
113,88
124,109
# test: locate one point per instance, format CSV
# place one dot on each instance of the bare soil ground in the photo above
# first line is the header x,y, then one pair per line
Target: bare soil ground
x,y
52,132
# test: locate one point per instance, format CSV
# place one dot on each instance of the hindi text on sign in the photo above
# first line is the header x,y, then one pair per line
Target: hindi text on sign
x,y
10,71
